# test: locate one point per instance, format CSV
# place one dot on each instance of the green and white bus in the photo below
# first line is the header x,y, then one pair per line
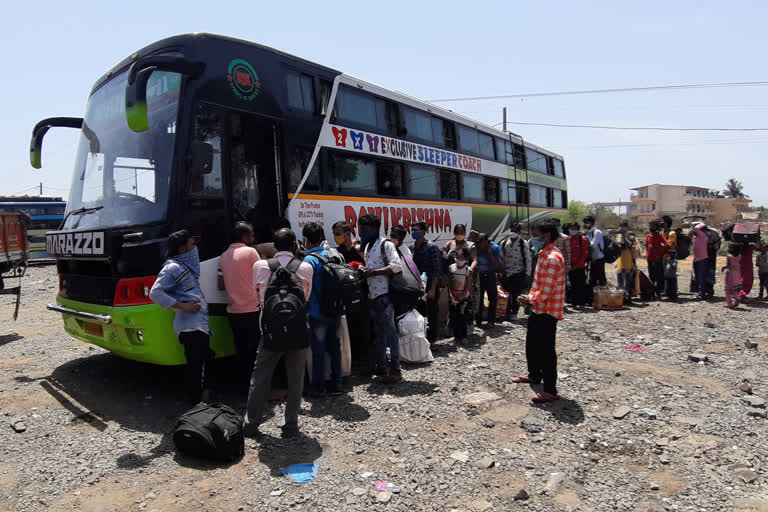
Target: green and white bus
x,y
198,131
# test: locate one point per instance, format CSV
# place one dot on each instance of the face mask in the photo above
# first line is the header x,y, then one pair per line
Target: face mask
x,y
340,239
417,234
535,242
461,263
367,237
459,238
559,229
514,235
573,231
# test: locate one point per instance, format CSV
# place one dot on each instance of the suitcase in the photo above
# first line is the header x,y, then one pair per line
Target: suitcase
x,y
647,290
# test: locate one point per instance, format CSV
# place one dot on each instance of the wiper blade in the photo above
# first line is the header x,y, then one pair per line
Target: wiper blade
x,y
80,211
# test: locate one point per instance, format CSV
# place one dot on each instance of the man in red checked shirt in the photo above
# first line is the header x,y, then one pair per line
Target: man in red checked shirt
x,y
546,299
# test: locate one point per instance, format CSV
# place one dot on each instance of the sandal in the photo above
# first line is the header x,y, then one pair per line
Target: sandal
x,y
544,397
523,379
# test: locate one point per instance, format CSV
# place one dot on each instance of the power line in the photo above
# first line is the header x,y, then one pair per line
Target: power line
x,y
606,91
691,143
646,128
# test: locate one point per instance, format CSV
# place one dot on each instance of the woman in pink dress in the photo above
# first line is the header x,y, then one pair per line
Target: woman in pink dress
x,y
733,278
747,270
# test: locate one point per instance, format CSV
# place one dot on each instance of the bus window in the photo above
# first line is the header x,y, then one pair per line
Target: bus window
x,y
559,169
300,91
325,96
518,156
468,142
298,160
438,132
353,174
449,185
422,182
134,177
508,192
449,134
473,188
501,150
538,195
558,198
209,128
536,161
486,145
361,108
245,181
418,124
491,189
93,178
389,179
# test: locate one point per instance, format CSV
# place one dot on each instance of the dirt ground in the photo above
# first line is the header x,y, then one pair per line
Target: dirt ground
x,y
457,435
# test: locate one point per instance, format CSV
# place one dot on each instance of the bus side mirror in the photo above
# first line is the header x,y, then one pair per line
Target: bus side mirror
x,y
201,160
41,128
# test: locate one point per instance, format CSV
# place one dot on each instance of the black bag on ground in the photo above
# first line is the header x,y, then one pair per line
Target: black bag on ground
x,y
284,314
212,431
342,287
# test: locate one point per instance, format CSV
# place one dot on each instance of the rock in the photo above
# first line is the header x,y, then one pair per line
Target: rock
x,y
664,459
276,493
521,495
747,475
555,479
662,442
698,356
484,463
481,397
621,412
460,456
358,491
651,415
655,486
617,374
384,497
688,420
746,388
532,425
19,426
755,401
480,505
757,413
487,423
750,344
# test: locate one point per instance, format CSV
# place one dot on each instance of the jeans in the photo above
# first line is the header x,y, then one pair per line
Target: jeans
x,y
266,360
670,287
597,273
763,282
487,286
625,279
656,275
385,333
431,311
578,278
514,284
701,271
324,336
199,358
246,332
540,350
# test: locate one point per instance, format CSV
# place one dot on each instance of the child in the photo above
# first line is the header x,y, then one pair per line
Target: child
x,y
459,289
733,276
762,269
670,274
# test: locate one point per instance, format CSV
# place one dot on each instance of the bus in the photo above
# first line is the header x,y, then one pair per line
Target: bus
x,y
198,131
45,214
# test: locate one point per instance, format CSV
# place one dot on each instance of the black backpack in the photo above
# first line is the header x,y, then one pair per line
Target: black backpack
x,y
683,244
342,287
611,251
212,431
284,315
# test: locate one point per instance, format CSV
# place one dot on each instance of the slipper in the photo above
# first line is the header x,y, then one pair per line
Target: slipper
x,y
544,397
523,379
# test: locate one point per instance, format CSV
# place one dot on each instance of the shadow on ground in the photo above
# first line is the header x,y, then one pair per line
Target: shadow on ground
x,y
277,454
8,338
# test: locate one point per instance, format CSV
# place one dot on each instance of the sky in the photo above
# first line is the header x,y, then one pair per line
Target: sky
x,y
55,51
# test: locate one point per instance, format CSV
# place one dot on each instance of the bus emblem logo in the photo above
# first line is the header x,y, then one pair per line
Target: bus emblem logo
x,y
243,80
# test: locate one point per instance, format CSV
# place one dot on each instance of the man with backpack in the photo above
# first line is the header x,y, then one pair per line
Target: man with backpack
x,y
284,285
323,329
381,262
579,258
516,260
701,263
429,261
597,257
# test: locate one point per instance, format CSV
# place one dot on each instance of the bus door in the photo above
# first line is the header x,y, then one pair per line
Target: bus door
x,y
255,171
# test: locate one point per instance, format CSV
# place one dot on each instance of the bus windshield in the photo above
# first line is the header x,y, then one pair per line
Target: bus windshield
x,y
124,172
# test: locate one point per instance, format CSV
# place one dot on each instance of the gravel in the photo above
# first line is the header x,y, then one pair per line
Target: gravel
x,y
97,428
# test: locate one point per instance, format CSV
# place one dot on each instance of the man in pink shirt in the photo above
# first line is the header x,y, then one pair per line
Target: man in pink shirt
x,y
701,262
236,277
295,360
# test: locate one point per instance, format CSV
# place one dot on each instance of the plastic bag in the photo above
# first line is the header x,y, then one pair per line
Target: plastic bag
x,y
414,346
412,323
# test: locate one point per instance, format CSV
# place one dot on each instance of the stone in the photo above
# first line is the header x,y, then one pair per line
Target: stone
x,y
521,495
747,475
532,425
655,486
460,456
484,463
757,413
750,344
384,497
746,388
555,479
651,415
755,401
480,505
664,459
481,397
621,412
358,491
487,423
689,420
698,356
662,442
19,426
276,493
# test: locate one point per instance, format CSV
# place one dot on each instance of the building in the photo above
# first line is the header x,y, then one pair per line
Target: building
x,y
677,201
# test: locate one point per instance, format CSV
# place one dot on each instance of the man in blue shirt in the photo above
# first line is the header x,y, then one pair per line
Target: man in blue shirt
x,y
484,270
429,260
323,330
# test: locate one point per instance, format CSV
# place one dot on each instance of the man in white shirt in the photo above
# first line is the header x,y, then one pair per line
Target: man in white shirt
x,y
266,360
381,262
516,258
597,258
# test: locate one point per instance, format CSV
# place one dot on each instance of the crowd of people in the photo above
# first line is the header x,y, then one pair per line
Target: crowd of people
x,y
290,300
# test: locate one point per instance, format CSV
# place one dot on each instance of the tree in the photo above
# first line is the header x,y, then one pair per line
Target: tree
x,y
733,188
577,210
